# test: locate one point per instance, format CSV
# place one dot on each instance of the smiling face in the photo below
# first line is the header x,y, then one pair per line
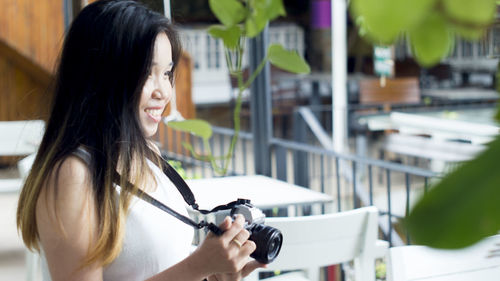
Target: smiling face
x,y
157,90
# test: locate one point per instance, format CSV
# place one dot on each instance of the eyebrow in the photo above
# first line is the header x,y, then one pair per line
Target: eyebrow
x,y
171,64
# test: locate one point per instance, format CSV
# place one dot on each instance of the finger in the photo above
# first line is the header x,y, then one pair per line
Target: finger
x,y
241,238
247,248
226,224
236,227
251,266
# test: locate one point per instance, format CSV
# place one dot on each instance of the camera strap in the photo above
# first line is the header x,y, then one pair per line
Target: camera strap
x,y
186,193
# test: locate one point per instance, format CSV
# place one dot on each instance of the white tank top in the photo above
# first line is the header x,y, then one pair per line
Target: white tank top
x,y
154,240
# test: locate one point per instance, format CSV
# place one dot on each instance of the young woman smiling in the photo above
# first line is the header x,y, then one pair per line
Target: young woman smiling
x,y
113,82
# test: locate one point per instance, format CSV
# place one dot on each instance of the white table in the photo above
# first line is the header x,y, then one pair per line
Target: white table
x,y
474,125
264,192
453,135
416,263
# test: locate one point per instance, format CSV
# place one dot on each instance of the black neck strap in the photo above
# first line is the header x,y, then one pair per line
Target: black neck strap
x,y
186,193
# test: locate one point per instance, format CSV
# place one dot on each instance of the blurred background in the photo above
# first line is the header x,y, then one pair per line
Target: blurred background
x,y
31,34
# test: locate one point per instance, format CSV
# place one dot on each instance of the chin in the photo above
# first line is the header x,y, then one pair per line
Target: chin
x,y
150,131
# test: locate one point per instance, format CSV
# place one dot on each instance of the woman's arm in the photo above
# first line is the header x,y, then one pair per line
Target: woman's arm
x,y
217,255
67,224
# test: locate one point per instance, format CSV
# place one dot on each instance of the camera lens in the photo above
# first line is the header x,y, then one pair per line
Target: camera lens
x,y
268,240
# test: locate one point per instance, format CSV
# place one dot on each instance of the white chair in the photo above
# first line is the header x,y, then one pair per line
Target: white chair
x,y
476,263
312,242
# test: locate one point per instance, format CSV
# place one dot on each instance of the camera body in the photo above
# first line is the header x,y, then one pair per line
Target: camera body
x,y
268,239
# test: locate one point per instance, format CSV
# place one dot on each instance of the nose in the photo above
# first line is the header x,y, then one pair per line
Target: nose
x,y
162,89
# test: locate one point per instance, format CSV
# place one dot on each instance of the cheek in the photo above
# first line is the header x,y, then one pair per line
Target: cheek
x,y
145,92
168,90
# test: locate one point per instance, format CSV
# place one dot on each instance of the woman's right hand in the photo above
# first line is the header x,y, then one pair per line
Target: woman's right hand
x,y
228,253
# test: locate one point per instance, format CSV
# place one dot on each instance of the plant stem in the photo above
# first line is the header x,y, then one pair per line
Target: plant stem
x,y
254,74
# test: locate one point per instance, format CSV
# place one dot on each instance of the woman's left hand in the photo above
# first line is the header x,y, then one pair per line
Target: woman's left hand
x,y
247,269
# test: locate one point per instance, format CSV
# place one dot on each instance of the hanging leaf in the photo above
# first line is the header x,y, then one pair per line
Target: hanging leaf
x,y
431,40
385,20
229,12
270,8
287,60
469,33
196,127
230,36
262,11
473,12
463,208
255,23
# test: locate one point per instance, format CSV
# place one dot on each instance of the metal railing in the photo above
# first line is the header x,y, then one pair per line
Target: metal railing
x,y
352,181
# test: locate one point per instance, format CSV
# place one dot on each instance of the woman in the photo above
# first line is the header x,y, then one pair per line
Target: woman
x,y
113,82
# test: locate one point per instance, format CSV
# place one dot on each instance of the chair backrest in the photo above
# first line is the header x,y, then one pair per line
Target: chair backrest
x,y
415,263
395,91
316,241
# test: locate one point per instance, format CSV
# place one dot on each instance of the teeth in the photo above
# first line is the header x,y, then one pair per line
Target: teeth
x,y
154,112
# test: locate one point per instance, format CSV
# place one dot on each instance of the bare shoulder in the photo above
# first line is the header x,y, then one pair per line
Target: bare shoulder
x,y
68,178
66,196
67,220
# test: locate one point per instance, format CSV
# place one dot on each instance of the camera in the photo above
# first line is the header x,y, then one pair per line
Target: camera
x,y
268,239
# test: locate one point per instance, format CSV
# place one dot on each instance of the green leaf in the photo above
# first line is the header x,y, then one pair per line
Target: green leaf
x,y
287,60
431,41
385,20
229,12
469,33
196,127
262,11
254,25
463,207
471,11
270,8
230,36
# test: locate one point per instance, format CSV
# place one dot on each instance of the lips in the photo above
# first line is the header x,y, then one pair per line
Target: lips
x,y
154,113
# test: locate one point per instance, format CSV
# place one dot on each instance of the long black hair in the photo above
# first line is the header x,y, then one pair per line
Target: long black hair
x,y
105,61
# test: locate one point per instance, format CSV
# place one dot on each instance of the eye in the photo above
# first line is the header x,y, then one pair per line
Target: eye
x,y
168,74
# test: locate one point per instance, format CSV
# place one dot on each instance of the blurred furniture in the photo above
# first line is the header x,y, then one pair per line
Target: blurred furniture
x,y
478,262
395,91
470,125
311,242
440,135
463,95
19,138
264,192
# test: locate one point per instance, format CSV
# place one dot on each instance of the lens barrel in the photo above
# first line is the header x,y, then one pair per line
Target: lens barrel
x,y
268,240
